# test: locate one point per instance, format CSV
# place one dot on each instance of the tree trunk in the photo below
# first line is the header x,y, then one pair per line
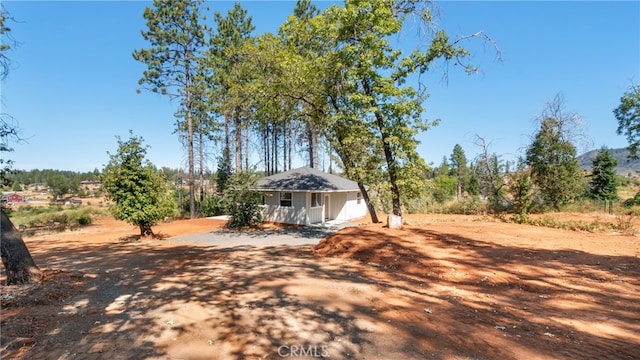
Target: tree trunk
x,y
190,160
238,142
312,140
201,164
17,261
388,152
145,229
370,207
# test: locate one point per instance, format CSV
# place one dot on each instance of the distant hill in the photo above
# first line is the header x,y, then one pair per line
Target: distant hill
x,y
625,166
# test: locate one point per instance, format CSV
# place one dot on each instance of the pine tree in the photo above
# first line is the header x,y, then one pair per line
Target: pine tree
x,y
177,40
604,180
554,167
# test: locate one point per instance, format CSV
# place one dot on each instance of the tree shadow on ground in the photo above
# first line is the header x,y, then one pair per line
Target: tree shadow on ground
x,y
400,299
551,303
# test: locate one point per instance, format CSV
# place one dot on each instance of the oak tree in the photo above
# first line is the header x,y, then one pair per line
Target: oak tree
x,y
628,116
138,191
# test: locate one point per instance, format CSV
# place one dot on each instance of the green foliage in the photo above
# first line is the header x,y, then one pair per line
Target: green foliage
x,y
178,40
604,180
58,185
634,201
470,205
551,222
213,205
224,171
554,167
459,169
244,203
16,186
628,116
140,194
84,219
54,216
521,190
444,188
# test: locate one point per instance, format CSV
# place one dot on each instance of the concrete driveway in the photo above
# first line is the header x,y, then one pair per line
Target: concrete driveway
x,y
303,236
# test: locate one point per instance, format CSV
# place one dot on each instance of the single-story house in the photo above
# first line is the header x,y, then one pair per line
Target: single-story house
x,y
307,196
12,198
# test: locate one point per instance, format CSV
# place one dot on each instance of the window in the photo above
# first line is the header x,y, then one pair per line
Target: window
x,y
285,199
359,198
316,199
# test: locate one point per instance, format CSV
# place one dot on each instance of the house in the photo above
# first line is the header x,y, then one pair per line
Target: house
x,y
12,198
307,196
73,201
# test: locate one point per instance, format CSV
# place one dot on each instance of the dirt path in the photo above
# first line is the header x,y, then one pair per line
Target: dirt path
x,y
442,288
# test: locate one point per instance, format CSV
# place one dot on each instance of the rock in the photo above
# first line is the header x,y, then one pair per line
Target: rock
x,y
394,222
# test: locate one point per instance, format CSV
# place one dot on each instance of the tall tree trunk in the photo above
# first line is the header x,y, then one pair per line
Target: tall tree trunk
x,y
348,164
16,258
238,142
227,134
191,180
274,153
312,142
246,148
290,147
388,152
201,166
265,152
285,153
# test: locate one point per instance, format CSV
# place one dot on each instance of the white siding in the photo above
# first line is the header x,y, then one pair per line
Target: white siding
x,y
294,214
351,209
341,206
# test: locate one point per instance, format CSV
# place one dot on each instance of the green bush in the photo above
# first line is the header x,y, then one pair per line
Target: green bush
x,y
244,204
466,206
213,205
84,219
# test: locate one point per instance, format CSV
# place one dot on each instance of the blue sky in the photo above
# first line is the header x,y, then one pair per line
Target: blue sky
x,y
72,86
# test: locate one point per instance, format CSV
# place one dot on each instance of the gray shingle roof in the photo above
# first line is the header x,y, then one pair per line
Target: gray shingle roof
x,y
306,179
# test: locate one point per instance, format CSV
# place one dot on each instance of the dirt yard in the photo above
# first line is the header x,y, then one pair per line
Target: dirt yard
x,y
444,287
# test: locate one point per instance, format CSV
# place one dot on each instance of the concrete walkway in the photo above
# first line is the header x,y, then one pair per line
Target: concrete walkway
x,y
303,236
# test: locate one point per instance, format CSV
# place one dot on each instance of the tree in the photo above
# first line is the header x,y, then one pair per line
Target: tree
x,y
554,167
604,180
244,204
628,116
459,168
16,258
18,263
231,76
489,169
59,185
173,64
8,127
224,171
521,189
139,192
365,81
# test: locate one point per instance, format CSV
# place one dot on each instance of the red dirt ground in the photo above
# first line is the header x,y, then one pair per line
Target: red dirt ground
x,y
443,287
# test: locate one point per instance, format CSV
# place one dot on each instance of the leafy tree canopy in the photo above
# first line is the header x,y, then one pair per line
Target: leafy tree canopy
x,y
139,192
628,116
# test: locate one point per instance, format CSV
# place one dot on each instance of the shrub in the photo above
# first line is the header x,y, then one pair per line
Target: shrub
x,y
84,219
466,206
244,204
213,205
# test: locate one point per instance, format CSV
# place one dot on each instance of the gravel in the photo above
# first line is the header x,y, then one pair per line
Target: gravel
x,y
302,236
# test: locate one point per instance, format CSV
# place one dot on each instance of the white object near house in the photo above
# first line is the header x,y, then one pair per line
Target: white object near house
x,y
308,196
